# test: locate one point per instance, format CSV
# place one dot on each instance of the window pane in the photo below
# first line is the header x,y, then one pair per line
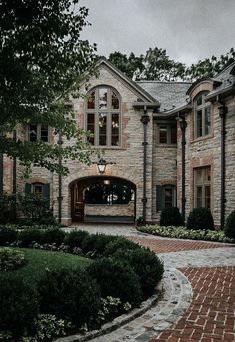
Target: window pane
x,y
173,135
199,101
207,120
102,98
44,133
199,178
199,197
102,128
91,127
37,189
168,197
163,134
207,196
208,174
114,101
32,132
115,130
91,101
199,123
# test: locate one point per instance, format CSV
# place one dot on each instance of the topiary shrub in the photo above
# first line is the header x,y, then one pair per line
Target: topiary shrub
x,y
53,235
19,307
75,238
7,235
70,294
146,265
229,229
28,236
200,218
96,244
116,279
11,259
119,243
171,217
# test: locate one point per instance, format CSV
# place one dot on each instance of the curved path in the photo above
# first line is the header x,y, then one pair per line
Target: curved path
x,y
199,303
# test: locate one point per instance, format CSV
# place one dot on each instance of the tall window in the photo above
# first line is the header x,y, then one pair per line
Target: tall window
x,y
202,187
38,132
202,116
166,196
167,133
103,116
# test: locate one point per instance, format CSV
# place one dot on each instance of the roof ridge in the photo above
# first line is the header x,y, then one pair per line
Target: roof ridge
x,y
223,70
164,82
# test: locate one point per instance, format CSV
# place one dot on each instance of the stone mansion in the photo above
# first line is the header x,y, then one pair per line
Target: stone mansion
x,y
165,144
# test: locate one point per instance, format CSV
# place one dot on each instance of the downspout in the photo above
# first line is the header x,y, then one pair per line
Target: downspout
x,y
183,125
144,119
1,170
14,168
223,110
60,197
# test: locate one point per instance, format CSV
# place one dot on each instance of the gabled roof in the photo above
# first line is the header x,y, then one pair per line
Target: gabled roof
x,y
169,94
225,79
134,85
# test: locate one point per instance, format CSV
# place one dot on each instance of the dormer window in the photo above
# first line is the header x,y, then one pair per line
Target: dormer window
x,y
202,116
103,110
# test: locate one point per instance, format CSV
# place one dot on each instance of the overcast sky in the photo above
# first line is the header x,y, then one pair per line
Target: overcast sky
x,y
189,30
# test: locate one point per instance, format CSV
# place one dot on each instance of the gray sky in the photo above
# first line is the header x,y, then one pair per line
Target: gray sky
x,y
189,30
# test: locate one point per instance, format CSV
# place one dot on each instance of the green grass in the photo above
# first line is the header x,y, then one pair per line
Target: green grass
x,y
39,261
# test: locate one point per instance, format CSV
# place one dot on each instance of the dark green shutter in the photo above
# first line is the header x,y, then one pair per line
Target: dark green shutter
x,y
46,190
27,188
159,197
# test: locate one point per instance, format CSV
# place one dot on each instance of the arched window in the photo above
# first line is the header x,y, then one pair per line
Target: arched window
x,y
202,116
103,110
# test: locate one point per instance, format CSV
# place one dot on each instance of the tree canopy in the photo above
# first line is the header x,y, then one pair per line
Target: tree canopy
x,y
42,58
157,65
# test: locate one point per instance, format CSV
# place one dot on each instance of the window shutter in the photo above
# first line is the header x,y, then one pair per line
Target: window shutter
x,y
46,190
160,204
27,188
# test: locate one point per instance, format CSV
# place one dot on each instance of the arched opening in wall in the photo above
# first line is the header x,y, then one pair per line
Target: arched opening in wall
x,y
103,199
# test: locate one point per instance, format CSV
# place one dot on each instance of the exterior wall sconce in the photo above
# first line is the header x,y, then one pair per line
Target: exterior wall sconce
x,y
101,165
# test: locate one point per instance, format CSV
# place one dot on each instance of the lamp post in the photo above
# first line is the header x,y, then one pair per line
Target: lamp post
x,y
101,165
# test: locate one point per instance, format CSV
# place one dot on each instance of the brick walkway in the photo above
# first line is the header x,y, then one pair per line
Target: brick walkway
x,y
211,315
173,245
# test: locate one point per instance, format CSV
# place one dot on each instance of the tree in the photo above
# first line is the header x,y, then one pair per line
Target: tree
x,y
42,59
131,66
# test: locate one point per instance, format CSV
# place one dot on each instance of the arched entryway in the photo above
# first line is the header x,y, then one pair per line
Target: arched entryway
x,y
103,199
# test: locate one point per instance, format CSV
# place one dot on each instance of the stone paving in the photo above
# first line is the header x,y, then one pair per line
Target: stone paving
x,y
199,300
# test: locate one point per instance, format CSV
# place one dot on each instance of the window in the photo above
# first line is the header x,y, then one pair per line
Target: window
x,y
166,196
167,134
202,187
103,117
37,189
38,132
202,116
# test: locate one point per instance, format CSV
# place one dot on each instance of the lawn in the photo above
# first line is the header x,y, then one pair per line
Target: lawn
x,y
39,261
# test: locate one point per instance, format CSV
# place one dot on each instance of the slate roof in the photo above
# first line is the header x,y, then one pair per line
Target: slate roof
x,y
226,77
169,94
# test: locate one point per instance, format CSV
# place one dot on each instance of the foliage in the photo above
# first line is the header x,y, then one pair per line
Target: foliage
x,y
8,234
19,306
171,217
75,238
119,243
70,294
184,233
146,265
200,218
131,65
7,208
48,328
116,279
42,57
229,229
53,235
95,244
27,237
11,259
140,221
111,307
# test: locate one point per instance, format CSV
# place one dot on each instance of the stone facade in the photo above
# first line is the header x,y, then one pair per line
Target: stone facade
x,y
163,161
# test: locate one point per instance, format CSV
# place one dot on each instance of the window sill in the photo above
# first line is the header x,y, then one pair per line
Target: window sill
x,y
166,145
204,137
118,148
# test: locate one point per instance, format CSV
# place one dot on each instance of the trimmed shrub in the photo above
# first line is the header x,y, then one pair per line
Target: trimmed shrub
x,y
19,307
28,236
171,217
229,229
11,259
70,294
119,243
146,265
200,218
53,235
116,279
75,238
7,235
96,243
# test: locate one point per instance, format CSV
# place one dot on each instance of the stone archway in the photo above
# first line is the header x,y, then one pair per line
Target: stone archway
x,y
103,199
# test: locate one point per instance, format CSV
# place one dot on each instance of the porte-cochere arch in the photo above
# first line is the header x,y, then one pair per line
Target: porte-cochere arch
x,y
103,199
